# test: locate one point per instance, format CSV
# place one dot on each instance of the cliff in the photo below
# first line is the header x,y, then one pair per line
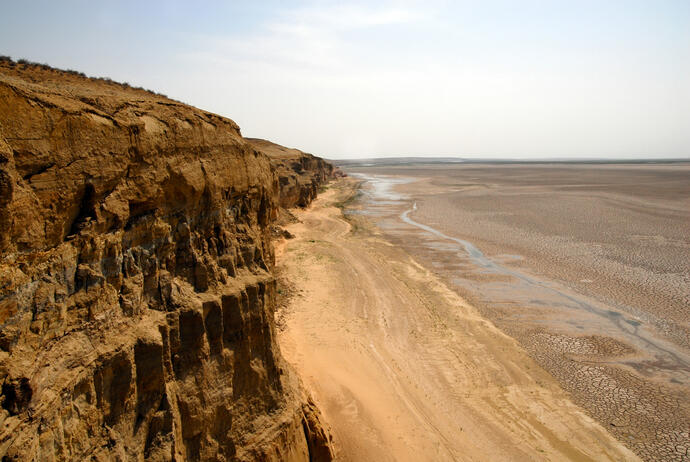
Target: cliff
x,y
299,173
136,286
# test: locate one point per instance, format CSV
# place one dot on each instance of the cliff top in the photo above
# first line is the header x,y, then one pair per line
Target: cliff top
x,y
276,151
101,96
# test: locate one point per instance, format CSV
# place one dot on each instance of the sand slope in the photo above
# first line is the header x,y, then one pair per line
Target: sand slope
x,y
404,369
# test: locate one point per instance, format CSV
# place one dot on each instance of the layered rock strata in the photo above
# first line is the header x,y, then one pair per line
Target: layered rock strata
x,y
299,173
136,286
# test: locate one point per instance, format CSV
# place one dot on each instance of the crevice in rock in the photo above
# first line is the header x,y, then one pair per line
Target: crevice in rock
x,y
87,209
16,395
138,212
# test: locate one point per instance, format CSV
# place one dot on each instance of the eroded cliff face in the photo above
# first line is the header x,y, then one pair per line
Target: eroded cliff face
x,y
299,174
136,293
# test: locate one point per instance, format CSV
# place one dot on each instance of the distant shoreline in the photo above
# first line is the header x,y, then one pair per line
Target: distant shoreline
x,y
407,161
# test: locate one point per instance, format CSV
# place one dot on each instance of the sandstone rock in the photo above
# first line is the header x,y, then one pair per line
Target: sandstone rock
x,y
136,286
299,174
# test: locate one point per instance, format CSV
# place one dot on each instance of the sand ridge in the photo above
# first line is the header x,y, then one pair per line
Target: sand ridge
x,y
402,367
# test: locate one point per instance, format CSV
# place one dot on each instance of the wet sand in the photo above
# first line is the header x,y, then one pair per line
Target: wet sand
x,y
403,368
587,266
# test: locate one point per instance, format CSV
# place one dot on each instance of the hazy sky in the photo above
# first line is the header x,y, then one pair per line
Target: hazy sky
x,y
433,78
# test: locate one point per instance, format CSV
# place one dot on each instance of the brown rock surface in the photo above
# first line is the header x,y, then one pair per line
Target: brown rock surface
x,y
136,285
299,173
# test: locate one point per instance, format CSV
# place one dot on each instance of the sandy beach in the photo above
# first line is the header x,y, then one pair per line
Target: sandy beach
x,y
402,367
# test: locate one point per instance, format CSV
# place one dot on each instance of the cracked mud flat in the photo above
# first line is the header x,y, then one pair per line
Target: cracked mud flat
x,y
403,368
587,266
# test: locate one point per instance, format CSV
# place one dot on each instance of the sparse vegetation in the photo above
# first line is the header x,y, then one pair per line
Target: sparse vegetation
x,y
353,195
8,61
